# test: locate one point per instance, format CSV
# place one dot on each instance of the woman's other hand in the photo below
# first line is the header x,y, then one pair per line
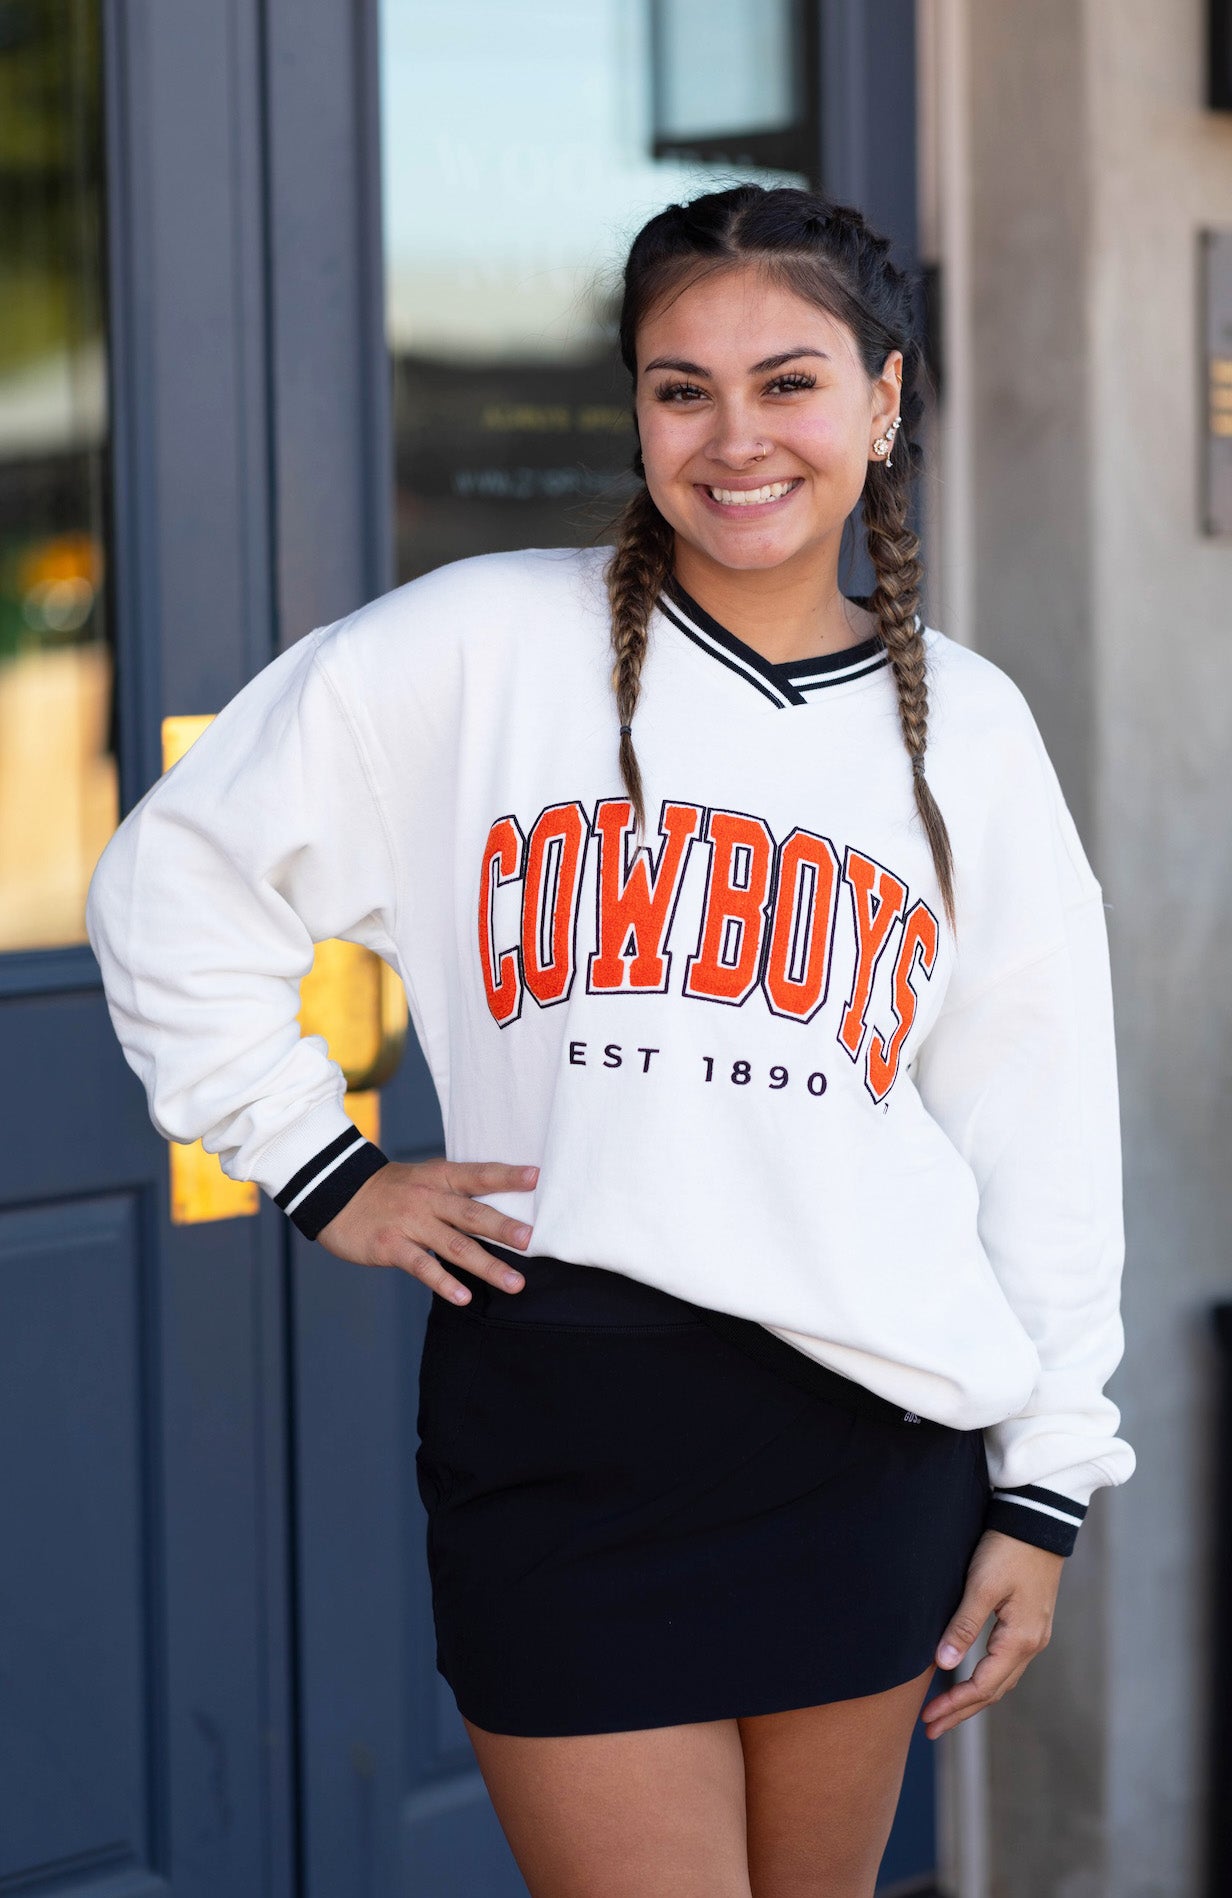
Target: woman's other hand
x,y
1018,1584
404,1213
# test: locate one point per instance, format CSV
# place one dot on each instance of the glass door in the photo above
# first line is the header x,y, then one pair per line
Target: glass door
x,y
521,147
59,782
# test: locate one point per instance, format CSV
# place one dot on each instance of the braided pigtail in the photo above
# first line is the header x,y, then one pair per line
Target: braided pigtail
x,y
895,553
639,565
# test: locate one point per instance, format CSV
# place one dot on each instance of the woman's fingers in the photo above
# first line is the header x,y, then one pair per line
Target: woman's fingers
x,y
458,1216
454,1246
993,1677
474,1215
1018,1583
484,1176
423,1265
404,1214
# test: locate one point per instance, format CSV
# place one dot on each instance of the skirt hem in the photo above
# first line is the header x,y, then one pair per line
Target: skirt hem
x,y
720,1709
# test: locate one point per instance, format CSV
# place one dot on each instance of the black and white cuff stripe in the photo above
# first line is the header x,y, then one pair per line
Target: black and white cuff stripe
x,y
1042,1516
322,1188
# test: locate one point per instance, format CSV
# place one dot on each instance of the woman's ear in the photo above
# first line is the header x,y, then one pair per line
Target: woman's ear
x,y
887,392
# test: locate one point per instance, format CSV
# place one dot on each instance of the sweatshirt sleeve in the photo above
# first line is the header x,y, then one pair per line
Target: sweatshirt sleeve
x,y
1019,1069
265,838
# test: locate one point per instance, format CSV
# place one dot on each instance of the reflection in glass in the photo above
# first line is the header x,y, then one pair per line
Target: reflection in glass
x,y
518,161
58,788
726,66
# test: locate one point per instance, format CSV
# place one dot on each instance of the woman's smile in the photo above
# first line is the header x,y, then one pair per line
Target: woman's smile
x,y
742,500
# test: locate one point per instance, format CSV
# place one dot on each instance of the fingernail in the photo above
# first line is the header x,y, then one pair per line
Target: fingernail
x,y
530,1172
511,1279
949,1656
459,1294
522,1233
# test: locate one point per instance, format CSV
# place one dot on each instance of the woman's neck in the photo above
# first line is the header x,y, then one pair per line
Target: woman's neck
x,y
783,612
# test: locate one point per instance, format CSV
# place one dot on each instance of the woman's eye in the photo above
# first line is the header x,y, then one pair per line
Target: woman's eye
x,y
685,393
796,379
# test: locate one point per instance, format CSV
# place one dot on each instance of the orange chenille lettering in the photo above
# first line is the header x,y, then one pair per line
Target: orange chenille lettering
x,y
553,885
802,929
919,943
726,967
636,909
877,899
502,861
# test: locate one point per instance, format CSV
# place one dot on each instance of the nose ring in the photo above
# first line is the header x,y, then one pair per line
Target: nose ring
x,y
763,454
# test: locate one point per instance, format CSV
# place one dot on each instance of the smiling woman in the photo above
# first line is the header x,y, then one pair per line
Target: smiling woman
x,y
803,1373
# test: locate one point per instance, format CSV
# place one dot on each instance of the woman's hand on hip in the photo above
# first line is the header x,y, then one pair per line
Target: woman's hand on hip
x,y
1018,1584
414,1215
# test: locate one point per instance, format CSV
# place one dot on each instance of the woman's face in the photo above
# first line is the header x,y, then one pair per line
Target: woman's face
x,y
737,364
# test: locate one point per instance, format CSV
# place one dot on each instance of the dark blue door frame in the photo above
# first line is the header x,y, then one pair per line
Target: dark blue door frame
x,y
147,1721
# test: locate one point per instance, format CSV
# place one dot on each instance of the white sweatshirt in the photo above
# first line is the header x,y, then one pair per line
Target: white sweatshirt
x,y
753,1064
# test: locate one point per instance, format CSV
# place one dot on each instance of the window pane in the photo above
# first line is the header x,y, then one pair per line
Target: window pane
x,y
728,67
517,146
58,787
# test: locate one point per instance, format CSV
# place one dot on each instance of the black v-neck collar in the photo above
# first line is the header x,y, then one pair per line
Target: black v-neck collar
x,y
796,681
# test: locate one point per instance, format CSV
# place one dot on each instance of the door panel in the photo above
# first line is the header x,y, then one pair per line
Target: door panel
x,y
142,1572
73,1371
145,1598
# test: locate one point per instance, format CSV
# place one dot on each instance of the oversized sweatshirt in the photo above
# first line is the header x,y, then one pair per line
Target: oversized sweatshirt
x,y
753,1063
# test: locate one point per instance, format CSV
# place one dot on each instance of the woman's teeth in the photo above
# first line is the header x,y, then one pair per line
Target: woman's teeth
x,y
751,497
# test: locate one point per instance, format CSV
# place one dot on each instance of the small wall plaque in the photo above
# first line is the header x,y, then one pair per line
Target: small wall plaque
x,y
1216,419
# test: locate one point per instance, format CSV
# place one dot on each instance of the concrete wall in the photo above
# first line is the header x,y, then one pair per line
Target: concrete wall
x,y
1092,165
1163,627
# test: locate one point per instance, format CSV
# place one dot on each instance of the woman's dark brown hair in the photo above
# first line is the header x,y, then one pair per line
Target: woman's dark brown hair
x,y
828,254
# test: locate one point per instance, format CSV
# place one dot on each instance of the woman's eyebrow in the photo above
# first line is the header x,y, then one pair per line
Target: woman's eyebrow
x,y
675,362
789,355
757,369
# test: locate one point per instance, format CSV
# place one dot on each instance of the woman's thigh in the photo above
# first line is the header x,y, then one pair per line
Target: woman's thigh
x,y
821,1788
653,1813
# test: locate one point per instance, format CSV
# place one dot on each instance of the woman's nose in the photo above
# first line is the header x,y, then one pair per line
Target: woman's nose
x,y
735,441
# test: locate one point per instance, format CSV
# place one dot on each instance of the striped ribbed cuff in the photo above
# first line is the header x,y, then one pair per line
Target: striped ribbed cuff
x,y
323,1186
1042,1516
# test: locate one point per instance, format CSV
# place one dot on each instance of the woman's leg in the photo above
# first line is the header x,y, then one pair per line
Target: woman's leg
x,y
822,1785
786,1805
654,1813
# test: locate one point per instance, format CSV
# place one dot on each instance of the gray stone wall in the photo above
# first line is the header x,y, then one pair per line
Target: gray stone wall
x,y
1094,164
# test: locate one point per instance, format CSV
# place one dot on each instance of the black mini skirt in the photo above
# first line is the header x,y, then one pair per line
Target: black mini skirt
x,y
642,1512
